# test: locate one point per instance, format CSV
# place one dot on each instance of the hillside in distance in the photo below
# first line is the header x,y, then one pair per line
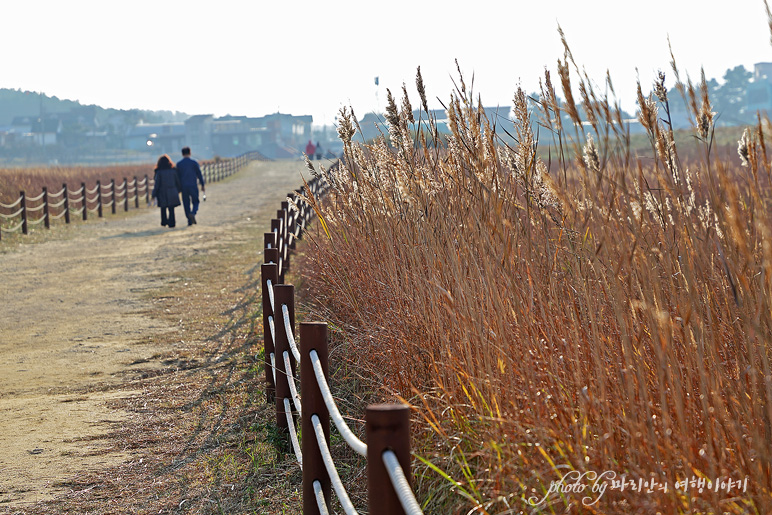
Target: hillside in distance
x,y
15,102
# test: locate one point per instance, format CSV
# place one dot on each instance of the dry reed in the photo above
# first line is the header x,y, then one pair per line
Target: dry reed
x,y
601,312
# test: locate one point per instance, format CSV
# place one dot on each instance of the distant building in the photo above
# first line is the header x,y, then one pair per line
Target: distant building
x,y
759,93
198,132
160,138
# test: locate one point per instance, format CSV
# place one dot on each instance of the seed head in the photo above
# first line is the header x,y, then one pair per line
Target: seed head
x,y
659,87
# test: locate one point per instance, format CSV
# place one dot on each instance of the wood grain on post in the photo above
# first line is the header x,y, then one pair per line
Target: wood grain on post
x,y
387,426
313,336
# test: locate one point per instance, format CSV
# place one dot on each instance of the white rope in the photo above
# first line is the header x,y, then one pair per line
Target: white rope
x,y
35,222
92,191
88,200
400,484
57,194
319,494
58,204
293,432
79,211
35,199
273,367
358,445
14,215
14,228
269,285
337,485
290,336
109,204
34,209
273,330
11,206
60,215
291,382
78,192
105,187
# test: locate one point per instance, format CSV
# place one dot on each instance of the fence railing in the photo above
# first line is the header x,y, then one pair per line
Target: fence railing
x,y
30,211
387,426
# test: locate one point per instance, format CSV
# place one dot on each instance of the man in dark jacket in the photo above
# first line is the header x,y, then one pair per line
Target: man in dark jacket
x,y
190,174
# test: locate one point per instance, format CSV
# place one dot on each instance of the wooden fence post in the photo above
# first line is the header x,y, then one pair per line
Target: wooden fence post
x,y
66,204
268,272
125,194
85,201
387,427
24,229
112,195
147,191
269,240
313,336
283,294
99,199
46,217
281,215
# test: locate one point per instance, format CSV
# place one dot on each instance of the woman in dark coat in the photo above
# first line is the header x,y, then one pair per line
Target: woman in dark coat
x,y
166,189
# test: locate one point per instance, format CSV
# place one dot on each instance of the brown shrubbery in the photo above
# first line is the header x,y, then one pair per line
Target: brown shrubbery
x,y
602,311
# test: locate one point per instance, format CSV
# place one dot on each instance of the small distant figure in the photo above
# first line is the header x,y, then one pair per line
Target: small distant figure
x,y
318,151
310,149
190,175
166,190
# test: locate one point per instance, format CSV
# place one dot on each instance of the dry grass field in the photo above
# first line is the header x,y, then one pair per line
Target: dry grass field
x,y
601,318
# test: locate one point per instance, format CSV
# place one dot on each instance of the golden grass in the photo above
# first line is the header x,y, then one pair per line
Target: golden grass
x,y
604,311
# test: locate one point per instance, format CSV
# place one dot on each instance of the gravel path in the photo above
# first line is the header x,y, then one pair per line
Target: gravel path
x,y
76,321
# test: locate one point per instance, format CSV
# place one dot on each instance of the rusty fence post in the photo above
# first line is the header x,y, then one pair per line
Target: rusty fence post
x,y
387,427
46,217
283,294
99,199
85,201
24,228
268,272
313,336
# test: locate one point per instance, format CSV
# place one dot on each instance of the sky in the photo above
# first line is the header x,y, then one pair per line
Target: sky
x,y
299,57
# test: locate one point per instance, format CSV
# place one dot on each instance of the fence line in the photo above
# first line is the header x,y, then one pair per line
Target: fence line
x,y
387,426
99,197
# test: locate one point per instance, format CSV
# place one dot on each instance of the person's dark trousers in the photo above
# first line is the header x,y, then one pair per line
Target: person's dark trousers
x,y
190,201
168,219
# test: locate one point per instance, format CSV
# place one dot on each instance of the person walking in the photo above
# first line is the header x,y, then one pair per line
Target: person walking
x,y
310,149
166,190
190,175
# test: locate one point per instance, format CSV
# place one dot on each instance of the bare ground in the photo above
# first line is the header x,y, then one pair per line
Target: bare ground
x,y
129,374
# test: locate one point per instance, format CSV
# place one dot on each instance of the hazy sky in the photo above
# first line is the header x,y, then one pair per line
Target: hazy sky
x,y
254,58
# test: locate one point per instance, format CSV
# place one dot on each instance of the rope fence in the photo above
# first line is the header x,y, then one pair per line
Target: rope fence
x,y
29,210
387,426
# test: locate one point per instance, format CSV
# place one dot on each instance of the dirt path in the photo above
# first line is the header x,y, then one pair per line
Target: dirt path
x,y
82,320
